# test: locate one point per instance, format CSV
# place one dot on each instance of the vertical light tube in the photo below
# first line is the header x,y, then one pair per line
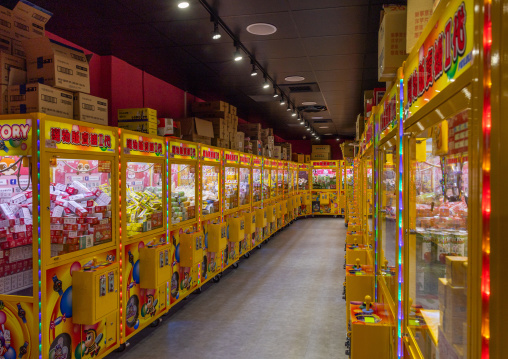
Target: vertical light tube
x,y
400,313
39,232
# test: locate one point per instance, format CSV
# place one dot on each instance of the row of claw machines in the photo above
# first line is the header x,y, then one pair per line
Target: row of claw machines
x,y
103,230
423,270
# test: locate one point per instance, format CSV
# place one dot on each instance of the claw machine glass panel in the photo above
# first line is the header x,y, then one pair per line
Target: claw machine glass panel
x,y
258,186
273,178
305,205
245,180
143,183
286,178
280,178
324,187
303,178
183,182
79,234
231,174
210,182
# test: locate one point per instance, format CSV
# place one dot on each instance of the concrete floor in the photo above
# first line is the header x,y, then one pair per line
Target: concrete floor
x,y
285,301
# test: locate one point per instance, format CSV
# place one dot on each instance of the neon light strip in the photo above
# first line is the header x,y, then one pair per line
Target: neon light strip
x,y
120,229
39,233
168,174
376,207
486,127
400,314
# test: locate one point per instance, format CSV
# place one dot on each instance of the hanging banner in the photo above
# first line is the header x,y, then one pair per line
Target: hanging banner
x,y
445,54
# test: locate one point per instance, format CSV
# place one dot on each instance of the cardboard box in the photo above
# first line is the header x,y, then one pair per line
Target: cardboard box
x,y
347,150
214,114
128,114
360,126
307,158
56,64
198,139
284,153
165,127
5,44
455,269
418,15
391,41
320,156
217,142
6,63
36,97
277,152
233,111
4,99
269,141
257,147
240,137
298,157
18,49
194,126
89,108
25,21
321,149
212,106
139,126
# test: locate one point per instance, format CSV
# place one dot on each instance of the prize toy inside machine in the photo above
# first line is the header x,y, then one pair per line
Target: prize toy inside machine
x,y
245,202
438,195
146,265
18,239
79,223
183,163
211,217
260,189
232,213
324,187
303,190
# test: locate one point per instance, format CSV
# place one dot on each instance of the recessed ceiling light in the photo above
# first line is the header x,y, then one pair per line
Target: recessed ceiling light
x,y
323,127
294,78
261,29
317,118
183,4
310,103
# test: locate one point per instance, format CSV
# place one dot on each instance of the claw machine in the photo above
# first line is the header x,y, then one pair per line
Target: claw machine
x,y
145,251
245,245
186,236
286,194
342,188
58,237
305,198
293,185
349,179
270,166
211,215
324,188
443,242
232,214
279,199
367,159
260,194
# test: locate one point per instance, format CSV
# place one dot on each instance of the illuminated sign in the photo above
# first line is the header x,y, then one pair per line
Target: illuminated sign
x,y
61,135
181,150
143,144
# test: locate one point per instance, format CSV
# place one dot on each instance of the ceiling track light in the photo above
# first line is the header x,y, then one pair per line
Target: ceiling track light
x,y
289,107
254,70
183,4
216,34
275,93
266,84
238,54
282,101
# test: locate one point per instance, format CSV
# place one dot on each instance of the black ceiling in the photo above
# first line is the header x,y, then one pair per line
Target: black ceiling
x,y
329,42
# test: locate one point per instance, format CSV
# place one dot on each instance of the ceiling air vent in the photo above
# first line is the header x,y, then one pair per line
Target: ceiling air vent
x,y
301,88
327,120
312,108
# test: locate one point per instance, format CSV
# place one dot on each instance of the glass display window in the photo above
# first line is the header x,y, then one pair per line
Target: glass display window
x,y
266,183
183,192
286,180
273,183
231,187
324,178
16,231
244,186
280,182
303,180
256,185
388,206
438,207
295,180
210,190
144,197
80,194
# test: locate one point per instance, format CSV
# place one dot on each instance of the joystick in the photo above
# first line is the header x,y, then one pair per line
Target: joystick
x,y
385,266
368,309
357,265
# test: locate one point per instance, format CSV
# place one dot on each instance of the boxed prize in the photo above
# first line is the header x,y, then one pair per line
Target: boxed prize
x,y
89,108
419,13
391,41
36,97
212,106
56,64
165,127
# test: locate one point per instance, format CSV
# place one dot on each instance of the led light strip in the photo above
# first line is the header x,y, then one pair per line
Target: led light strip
x,y
120,229
486,201
168,225
39,233
400,313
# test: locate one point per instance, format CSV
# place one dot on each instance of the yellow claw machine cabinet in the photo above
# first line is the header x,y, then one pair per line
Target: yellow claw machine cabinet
x,y
285,203
368,184
270,168
305,197
443,129
245,204
260,193
232,214
145,251
293,187
186,236
349,179
210,188
324,188
279,199
342,188
59,272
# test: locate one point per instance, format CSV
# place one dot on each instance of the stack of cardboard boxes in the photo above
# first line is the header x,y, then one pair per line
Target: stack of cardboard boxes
x,y
138,119
321,152
224,120
283,151
197,130
299,157
252,138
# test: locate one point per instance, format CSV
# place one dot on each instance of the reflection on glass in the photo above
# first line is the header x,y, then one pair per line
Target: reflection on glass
x,y
81,205
144,197
16,226
266,183
210,189
303,180
256,184
183,192
231,187
388,206
244,186
439,193
273,183
324,179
